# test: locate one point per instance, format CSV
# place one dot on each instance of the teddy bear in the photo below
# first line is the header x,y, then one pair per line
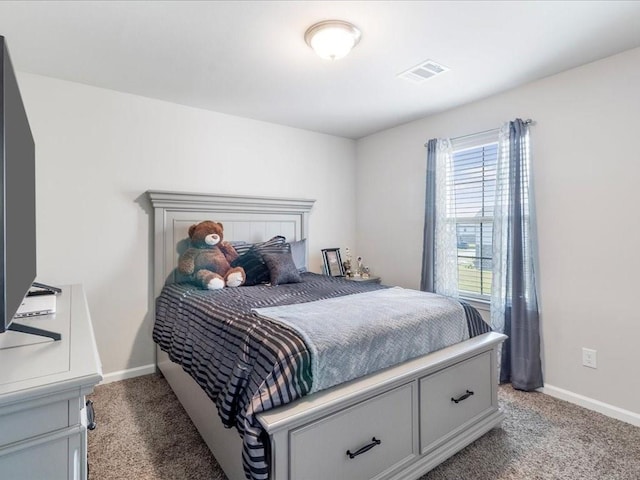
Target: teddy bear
x,y
208,258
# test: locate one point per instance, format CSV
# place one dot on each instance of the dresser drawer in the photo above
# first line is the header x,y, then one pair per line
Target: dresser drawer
x,y
32,421
58,458
319,450
451,398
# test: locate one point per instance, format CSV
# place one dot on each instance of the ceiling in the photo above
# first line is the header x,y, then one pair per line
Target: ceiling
x,y
249,58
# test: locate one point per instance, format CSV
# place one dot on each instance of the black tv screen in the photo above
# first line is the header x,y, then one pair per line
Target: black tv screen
x,y
17,194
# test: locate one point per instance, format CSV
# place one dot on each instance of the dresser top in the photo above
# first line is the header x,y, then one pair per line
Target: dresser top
x,y
29,363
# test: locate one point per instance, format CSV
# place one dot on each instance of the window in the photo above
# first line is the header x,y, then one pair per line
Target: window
x,y
474,186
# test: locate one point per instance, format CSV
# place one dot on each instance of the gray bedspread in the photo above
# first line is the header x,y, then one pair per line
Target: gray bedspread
x,y
348,339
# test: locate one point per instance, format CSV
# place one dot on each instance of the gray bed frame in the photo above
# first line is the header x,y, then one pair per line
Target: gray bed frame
x,y
300,432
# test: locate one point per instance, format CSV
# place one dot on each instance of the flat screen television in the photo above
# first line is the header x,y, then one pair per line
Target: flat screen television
x,y
17,195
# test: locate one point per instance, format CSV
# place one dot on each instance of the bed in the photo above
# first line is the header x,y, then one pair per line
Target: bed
x,y
395,423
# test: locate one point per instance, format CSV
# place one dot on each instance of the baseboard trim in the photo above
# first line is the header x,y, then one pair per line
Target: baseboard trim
x,y
592,404
128,373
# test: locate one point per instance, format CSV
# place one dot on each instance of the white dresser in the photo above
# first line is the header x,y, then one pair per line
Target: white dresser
x,y
43,420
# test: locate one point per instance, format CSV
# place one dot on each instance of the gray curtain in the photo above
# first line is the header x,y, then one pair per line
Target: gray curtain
x,y
427,283
520,359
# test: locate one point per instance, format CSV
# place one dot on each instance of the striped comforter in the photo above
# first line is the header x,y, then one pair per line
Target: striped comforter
x,y
247,364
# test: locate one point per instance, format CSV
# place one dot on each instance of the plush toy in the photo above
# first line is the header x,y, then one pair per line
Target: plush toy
x,y
208,258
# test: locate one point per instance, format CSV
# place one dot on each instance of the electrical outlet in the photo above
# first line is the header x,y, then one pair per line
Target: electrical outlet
x,y
589,358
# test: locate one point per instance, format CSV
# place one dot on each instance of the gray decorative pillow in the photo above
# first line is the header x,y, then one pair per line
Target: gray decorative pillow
x,y
255,269
299,254
250,258
241,247
277,244
281,268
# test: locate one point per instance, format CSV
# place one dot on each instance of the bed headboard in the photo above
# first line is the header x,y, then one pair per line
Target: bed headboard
x,y
247,218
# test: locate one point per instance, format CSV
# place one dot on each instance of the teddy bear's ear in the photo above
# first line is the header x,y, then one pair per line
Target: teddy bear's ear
x,y
192,229
221,227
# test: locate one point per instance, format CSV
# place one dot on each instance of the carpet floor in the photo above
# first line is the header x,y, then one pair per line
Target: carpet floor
x,y
144,434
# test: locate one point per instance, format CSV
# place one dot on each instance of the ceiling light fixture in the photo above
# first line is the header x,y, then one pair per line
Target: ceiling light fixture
x,y
332,39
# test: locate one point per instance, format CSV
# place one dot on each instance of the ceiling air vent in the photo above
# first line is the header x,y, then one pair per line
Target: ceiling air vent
x,y
423,72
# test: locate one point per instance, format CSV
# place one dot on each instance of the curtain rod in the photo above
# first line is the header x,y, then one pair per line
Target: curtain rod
x,y
528,121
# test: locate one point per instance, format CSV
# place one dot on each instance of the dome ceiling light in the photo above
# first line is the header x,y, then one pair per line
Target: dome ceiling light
x,y
332,39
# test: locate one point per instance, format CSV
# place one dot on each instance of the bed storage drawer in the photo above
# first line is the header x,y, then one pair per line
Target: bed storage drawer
x,y
319,449
452,398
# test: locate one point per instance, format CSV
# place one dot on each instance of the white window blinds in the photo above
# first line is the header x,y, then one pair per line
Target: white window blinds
x,y
472,194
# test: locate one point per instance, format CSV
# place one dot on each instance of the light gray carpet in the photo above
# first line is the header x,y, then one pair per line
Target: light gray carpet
x,y
143,433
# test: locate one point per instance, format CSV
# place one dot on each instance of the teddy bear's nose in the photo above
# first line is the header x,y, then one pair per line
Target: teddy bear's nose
x,y
212,239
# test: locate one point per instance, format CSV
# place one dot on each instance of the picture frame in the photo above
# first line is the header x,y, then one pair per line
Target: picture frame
x,y
332,262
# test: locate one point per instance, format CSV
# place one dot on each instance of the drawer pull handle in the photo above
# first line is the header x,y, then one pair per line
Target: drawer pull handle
x,y
366,448
91,416
463,397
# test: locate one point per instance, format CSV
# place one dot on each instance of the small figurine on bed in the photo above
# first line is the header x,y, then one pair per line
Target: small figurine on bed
x,y
207,260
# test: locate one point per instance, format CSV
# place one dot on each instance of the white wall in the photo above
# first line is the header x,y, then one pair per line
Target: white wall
x,y
98,151
586,171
